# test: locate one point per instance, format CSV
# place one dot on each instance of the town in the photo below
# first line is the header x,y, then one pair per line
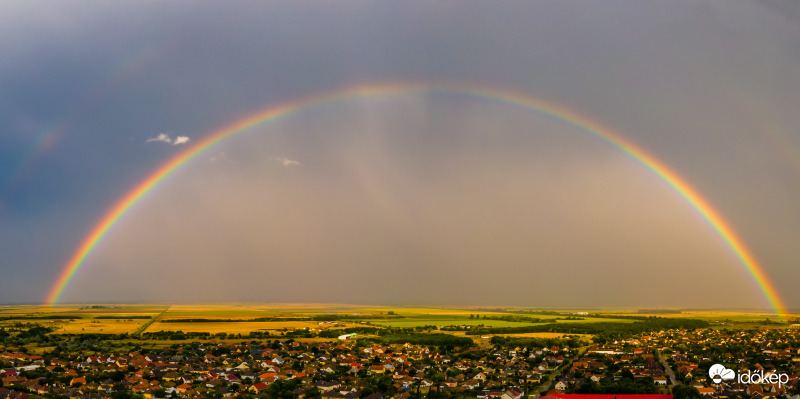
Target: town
x,y
674,361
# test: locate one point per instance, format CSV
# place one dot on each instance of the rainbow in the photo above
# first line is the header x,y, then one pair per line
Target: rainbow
x,y
502,96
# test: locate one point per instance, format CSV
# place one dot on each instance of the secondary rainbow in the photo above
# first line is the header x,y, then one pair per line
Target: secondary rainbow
x,y
504,96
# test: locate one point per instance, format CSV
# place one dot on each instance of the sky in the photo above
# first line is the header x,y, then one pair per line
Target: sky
x,y
406,196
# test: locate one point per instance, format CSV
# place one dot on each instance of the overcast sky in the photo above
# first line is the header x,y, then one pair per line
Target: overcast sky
x,y
400,198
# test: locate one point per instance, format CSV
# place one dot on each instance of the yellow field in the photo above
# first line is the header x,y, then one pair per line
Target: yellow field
x,y
712,315
242,327
89,326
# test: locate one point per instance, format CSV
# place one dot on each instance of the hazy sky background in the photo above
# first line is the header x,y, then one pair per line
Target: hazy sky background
x,y
410,198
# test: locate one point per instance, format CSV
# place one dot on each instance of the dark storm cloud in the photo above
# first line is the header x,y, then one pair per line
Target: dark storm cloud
x,y
710,88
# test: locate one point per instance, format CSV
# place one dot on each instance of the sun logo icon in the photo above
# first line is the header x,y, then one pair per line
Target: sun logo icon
x,y
719,372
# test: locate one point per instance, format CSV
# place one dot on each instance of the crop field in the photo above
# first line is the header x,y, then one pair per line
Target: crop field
x,y
712,315
463,319
89,326
215,311
732,316
103,319
42,310
239,318
270,310
86,326
241,327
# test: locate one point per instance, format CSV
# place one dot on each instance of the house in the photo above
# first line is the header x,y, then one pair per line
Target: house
x,y
377,369
328,386
472,384
512,393
78,380
259,387
490,393
706,391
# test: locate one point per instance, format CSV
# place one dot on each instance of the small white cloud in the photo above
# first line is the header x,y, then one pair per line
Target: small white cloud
x,y
181,140
285,162
161,137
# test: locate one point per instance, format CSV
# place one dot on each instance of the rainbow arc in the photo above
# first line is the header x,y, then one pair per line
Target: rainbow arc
x,y
511,98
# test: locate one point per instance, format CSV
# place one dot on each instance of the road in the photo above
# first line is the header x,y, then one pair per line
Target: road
x,y
670,374
144,326
557,373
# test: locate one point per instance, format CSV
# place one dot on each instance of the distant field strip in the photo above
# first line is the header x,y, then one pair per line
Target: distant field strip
x,y
443,321
451,320
239,327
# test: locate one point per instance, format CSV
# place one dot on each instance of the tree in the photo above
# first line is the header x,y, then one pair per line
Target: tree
x,y
627,374
588,387
685,392
313,393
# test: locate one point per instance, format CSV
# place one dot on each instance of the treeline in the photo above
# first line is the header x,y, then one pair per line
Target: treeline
x,y
180,335
322,317
528,319
526,342
437,339
176,335
513,318
258,319
124,317
626,385
612,328
573,317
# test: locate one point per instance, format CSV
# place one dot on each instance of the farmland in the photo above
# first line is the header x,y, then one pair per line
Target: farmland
x,y
279,319
240,327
